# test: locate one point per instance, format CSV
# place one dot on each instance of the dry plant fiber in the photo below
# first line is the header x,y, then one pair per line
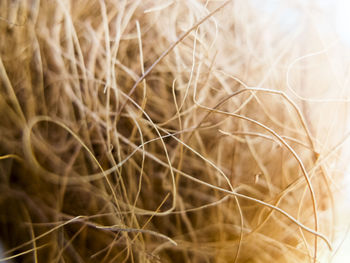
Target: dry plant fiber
x,y
170,131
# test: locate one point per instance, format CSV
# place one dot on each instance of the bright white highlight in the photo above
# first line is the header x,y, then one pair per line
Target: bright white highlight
x,y
343,20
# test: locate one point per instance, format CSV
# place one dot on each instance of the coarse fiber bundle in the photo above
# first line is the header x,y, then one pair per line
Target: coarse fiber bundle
x,y
171,131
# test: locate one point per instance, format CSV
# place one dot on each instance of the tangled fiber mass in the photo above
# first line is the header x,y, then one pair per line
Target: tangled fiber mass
x,y
169,131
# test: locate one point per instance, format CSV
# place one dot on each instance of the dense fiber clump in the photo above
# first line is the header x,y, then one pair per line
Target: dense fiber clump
x,y
168,131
